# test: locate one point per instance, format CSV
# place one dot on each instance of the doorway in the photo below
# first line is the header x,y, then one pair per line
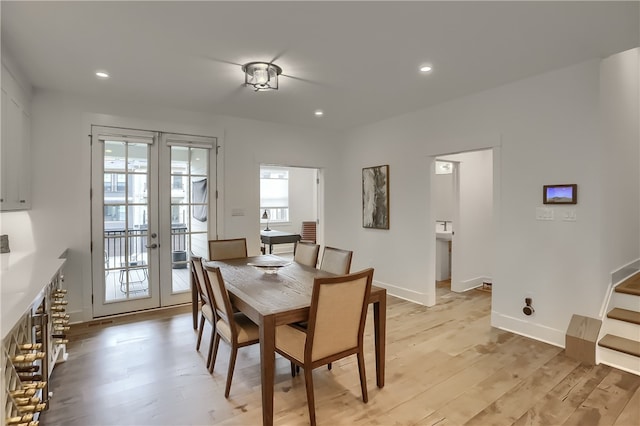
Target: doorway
x,y
151,206
289,196
467,225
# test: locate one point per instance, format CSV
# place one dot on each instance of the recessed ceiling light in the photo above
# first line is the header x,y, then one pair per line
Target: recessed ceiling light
x,y
425,68
102,74
319,113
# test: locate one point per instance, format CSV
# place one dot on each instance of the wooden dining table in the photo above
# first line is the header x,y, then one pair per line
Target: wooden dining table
x,y
273,299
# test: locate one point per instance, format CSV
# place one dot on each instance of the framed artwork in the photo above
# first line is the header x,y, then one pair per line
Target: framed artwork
x,y
560,194
375,197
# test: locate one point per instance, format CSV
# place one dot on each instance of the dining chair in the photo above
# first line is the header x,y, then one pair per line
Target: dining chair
x,y
308,232
335,329
232,327
227,249
306,254
206,304
336,261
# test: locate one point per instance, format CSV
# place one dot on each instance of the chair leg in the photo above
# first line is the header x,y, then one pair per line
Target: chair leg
x,y
293,370
200,333
210,354
363,377
232,364
308,381
329,366
216,342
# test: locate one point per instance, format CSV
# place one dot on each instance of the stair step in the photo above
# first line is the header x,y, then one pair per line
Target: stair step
x,y
630,286
624,315
620,344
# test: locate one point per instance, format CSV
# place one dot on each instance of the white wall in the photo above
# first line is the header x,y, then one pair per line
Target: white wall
x,y
619,156
61,179
548,130
473,241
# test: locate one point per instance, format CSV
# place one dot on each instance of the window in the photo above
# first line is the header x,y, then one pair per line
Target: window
x,y
274,194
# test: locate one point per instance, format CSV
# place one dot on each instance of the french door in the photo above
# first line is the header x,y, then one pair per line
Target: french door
x,y
150,209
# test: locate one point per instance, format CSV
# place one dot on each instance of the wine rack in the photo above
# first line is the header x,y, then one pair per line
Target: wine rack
x,y
30,350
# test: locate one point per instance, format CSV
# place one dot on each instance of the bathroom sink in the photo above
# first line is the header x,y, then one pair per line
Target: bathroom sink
x,y
444,236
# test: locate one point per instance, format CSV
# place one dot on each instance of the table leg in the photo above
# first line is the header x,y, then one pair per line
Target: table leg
x,y
270,248
267,363
380,333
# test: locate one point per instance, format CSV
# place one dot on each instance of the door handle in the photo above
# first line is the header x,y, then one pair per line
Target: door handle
x,y
152,246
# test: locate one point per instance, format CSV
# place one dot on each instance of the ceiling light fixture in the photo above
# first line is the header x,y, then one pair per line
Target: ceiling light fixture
x,y
102,74
319,113
425,68
261,75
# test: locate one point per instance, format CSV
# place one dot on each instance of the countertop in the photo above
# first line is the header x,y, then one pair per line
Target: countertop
x,y
23,278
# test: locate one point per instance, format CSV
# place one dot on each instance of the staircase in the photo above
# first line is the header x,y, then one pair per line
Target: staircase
x,y
620,345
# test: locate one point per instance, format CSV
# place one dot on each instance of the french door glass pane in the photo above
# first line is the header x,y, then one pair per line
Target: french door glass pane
x,y
125,220
189,210
199,163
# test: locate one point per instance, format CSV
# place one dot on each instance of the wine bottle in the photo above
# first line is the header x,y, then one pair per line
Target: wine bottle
x,y
60,302
27,401
27,369
30,346
35,385
60,315
32,408
28,357
30,377
22,392
58,308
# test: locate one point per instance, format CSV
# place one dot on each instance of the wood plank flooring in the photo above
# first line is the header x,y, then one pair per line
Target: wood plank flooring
x,y
445,366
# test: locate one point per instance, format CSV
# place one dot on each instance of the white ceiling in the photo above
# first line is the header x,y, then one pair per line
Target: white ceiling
x,y
357,61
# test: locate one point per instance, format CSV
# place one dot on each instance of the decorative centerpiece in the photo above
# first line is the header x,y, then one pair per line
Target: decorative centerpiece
x,y
270,266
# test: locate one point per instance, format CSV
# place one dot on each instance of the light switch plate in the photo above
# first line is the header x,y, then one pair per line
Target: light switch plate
x,y
544,213
237,212
569,215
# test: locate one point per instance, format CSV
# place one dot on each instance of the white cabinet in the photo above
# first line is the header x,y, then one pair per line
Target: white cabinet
x,y
15,159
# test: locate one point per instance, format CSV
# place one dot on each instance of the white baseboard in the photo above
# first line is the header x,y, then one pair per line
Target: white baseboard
x,y
409,295
528,329
625,272
467,285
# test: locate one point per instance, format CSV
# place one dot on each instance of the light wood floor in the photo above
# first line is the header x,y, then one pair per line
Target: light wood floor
x,y
445,366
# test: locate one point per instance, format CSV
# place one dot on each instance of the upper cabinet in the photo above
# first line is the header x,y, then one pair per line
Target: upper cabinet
x,y
15,159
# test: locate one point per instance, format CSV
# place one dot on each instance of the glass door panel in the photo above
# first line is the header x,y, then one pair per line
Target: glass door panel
x,y
190,159
122,281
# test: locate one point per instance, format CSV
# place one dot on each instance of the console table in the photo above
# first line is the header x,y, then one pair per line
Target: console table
x,y
277,237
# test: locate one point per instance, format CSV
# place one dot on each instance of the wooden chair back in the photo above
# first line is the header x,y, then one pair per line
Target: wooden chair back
x,y
306,254
197,274
227,249
218,293
337,316
308,232
336,261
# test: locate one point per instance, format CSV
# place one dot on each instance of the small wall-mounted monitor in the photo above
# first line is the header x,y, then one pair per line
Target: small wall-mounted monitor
x,y
560,194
